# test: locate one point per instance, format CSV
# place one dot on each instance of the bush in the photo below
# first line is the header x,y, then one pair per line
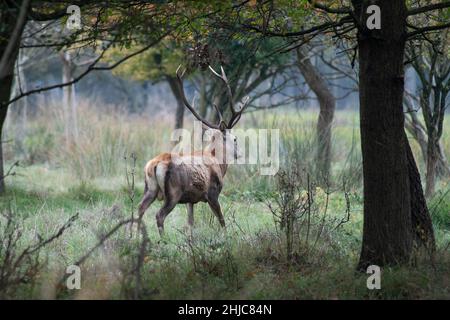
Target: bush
x,y
20,262
38,145
299,209
440,209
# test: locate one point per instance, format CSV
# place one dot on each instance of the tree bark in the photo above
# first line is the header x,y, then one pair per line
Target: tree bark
x,y
5,93
179,113
13,20
422,225
203,99
395,211
327,104
432,164
387,232
69,103
21,106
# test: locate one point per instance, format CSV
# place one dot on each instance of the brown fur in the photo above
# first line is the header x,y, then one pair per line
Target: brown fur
x,y
151,165
170,178
174,179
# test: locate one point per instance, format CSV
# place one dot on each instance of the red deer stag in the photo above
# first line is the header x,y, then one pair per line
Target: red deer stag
x,y
180,178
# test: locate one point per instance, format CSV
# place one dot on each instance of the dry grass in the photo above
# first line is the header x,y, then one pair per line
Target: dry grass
x,y
59,179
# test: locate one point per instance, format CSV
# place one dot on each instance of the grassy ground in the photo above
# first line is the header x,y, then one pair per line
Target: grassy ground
x,y
249,261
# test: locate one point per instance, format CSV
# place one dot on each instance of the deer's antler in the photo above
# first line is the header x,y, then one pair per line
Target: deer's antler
x,y
189,106
235,114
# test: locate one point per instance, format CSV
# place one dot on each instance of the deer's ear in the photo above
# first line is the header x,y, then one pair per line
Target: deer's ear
x,y
222,126
205,127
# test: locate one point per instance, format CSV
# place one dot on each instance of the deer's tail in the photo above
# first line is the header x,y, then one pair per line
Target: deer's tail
x,y
154,177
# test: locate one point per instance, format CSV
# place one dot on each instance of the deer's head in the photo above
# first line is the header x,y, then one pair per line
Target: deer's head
x,y
219,133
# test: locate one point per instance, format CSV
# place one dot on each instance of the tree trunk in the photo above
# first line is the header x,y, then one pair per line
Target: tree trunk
x,y
20,107
69,105
387,232
203,102
13,20
179,116
395,211
179,113
5,93
416,129
422,225
432,164
327,104
442,169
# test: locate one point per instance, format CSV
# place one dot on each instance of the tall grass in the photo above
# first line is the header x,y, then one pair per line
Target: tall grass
x,y
298,147
88,175
105,137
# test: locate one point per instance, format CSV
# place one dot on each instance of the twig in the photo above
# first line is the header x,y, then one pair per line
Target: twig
x,y
9,172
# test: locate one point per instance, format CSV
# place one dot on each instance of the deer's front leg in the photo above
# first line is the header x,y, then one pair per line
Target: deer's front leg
x,y
215,207
190,210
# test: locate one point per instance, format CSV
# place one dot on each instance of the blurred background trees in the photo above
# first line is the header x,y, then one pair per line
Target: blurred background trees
x,y
430,61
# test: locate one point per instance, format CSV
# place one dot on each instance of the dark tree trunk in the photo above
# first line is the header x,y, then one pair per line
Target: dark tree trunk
x,y
19,111
422,225
179,113
395,211
432,166
5,92
203,100
387,233
12,23
179,116
327,104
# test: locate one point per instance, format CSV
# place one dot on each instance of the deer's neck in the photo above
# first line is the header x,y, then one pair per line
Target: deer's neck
x,y
222,162
223,168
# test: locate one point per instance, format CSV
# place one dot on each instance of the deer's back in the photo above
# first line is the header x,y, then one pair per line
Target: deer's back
x,y
189,178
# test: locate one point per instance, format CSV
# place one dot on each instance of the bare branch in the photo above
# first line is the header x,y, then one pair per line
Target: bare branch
x,y
10,171
428,8
188,105
319,28
104,238
428,29
93,66
325,8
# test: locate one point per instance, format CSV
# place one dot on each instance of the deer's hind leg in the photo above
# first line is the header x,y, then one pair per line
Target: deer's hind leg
x,y
172,194
167,207
150,193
